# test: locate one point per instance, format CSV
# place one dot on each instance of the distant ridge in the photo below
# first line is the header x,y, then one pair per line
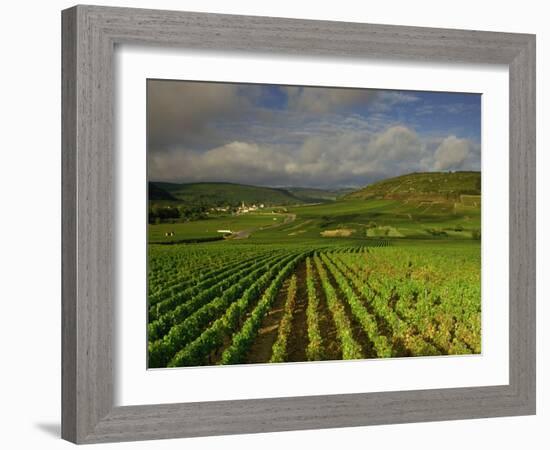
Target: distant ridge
x,y
421,186
316,195
227,193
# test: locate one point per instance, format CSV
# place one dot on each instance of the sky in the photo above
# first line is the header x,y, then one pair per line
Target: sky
x,y
272,135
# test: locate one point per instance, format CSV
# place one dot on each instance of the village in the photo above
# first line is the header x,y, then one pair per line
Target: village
x,y
242,209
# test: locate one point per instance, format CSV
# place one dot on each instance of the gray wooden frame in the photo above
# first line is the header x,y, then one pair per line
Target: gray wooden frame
x,y
89,36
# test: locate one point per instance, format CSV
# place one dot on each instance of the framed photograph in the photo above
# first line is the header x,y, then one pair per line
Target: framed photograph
x,y
278,224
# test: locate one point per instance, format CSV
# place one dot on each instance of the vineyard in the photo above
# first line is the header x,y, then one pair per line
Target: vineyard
x,y
294,224
248,303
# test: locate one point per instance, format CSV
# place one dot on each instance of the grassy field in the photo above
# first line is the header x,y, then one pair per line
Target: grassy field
x,y
359,277
209,228
374,218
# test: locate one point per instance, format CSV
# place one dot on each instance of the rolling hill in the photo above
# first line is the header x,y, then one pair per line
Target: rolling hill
x,y
423,186
435,205
227,193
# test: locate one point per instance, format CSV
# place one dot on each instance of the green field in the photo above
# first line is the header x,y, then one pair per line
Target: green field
x,y
209,228
372,218
361,276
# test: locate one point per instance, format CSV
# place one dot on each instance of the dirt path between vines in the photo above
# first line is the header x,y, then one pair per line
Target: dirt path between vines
x,y
260,352
298,339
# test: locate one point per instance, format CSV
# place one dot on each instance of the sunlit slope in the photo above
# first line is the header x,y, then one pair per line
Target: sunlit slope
x,y
428,186
419,205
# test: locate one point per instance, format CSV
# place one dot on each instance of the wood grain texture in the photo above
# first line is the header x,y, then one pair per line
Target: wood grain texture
x,y
68,226
89,36
523,224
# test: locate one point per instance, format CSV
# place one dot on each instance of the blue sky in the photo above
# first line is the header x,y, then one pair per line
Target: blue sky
x,y
306,136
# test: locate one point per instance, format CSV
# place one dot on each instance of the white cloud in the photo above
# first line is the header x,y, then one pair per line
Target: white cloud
x,y
451,154
331,159
398,143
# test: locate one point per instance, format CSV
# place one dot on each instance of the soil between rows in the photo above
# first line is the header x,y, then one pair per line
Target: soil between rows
x,y
260,351
298,339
